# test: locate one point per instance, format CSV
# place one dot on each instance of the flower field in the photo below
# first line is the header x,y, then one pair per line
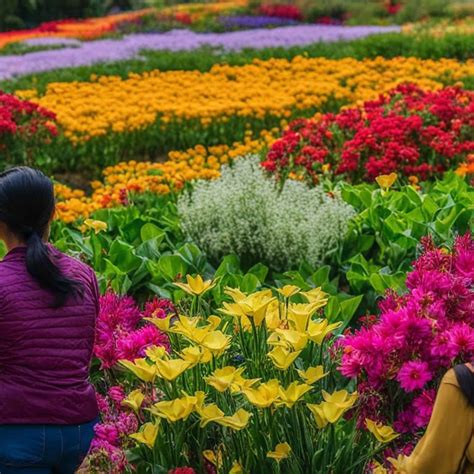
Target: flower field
x,y
278,204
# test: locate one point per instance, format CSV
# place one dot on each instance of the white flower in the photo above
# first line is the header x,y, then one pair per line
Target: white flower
x,y
244,212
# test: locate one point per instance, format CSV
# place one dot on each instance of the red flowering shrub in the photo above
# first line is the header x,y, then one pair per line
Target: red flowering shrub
x,y
399,358
408,131
123,333
24,126
290,12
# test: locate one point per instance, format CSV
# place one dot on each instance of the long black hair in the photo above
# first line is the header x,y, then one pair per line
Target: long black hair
x,y
465,378
26,206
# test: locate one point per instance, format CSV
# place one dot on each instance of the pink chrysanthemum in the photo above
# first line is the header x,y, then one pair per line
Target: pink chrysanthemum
x,y
414,375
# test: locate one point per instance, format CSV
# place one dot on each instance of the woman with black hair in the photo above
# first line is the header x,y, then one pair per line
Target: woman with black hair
x,y
48,308
448,444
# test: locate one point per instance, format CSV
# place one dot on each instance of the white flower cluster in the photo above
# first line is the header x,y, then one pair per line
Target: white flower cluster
x,y
244,212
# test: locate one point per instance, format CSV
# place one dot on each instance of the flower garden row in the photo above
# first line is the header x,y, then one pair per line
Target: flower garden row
x,y
313,216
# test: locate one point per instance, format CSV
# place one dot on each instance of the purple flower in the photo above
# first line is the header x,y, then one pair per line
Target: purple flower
x,y
129,47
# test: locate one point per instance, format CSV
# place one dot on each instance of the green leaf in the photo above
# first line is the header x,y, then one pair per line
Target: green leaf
x,y
321,276
123,256
260,271
230,264
169,266
349,307
249,283
151,231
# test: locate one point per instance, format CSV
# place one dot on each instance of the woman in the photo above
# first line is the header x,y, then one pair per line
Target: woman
x,y
448,444
48,308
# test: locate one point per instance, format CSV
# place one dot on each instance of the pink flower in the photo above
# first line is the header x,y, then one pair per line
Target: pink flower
x,y
414,375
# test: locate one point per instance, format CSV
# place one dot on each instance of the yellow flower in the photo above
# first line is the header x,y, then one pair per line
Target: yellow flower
x,y
288,338
264,395
318,330
170,369
209,413
237,421
147,435
399,464
196,286
155,353
196,355
282,451
236,468
299,315
174,410
163,324
289,290
318,413
293,393
211,456
221,379
385,181
235,294
134,400
216,342
383,433
340,398
141,369
316,295
313,374
282,358
97,226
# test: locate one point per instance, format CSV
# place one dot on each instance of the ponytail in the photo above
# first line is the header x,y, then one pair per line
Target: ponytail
x,y
40,265
465,379
26,207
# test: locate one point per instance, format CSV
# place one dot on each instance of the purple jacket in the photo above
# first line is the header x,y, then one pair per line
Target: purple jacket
x,y
45,352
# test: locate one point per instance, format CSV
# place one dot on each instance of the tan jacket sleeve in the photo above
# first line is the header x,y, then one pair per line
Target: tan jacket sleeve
x,y
442,448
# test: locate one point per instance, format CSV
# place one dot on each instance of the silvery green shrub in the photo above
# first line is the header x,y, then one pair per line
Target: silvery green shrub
x,y
244,212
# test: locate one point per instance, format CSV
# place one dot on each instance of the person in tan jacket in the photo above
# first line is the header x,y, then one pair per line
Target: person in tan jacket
x,y
447,446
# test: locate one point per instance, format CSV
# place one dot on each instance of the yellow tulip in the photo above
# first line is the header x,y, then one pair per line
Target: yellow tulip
x,y
213,322
236,468
295,339
141,369
399,464
147,435
175,410
340,398
134,400
214,459
385,181
316,295
383,433
97,226
299,315
196,286
318,413
209,413
221,379
163,324
378,468
196,355
239,383
283,358
318,330
282,451
235,294
170,369
217,342
237,421
292,394
313,374
264,395
155,353
289,290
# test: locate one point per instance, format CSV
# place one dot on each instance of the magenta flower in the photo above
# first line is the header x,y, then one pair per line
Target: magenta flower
x,y
414,375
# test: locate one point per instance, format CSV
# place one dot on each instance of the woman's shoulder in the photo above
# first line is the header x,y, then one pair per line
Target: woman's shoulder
x,y
450,378
73,264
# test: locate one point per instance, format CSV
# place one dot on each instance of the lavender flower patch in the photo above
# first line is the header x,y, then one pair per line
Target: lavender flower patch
x,y
248,21
129,47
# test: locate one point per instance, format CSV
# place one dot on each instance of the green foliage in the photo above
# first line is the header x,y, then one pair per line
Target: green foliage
x,y
384,237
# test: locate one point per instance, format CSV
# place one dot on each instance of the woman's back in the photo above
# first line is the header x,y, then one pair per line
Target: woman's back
x,y
45,351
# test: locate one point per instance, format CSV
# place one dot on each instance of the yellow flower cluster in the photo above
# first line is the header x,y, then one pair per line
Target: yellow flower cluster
x,y
232,94
182,166
200,355
464,26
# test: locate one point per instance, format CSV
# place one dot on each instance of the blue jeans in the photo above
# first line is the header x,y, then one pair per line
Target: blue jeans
x,y
44,449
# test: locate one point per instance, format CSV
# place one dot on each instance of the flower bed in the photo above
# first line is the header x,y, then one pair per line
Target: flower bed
x,y
129,47
400,356
415,133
